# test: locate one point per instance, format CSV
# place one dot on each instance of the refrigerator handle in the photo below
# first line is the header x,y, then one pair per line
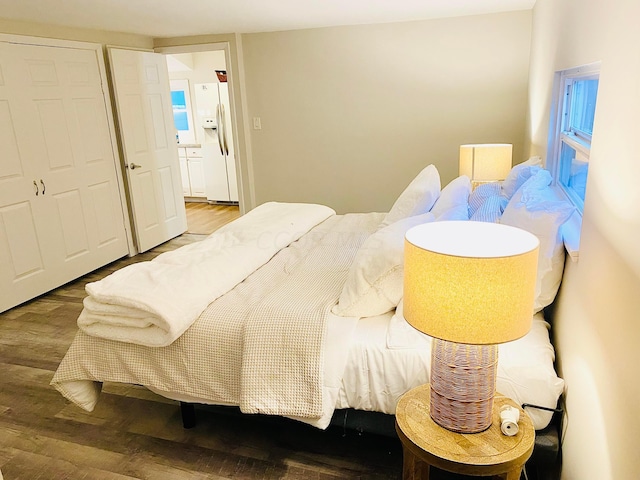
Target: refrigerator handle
x,y
220,129
224,131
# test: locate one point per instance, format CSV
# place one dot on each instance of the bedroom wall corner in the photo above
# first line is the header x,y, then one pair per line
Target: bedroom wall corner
x,y
595,325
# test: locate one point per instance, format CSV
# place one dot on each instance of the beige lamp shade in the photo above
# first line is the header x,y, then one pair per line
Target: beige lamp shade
x,y
470,282
487,162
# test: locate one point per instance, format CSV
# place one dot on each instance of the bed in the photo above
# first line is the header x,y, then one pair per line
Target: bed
x,y
293,310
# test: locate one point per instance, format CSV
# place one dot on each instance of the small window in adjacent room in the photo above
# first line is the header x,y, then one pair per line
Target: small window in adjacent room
x,y
181,104
572,130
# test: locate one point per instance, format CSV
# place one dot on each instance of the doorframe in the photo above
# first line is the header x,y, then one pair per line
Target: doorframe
x,y
246,195
98,49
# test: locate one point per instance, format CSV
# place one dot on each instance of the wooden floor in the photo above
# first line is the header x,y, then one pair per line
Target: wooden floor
x,y
135,434
203,218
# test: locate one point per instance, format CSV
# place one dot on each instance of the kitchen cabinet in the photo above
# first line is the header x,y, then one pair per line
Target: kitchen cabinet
x,y
192,171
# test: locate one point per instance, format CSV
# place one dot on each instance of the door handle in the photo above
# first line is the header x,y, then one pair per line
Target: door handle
x,y
44,188
133,166
36,185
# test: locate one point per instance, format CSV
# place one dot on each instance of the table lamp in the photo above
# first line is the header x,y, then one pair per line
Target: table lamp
x,y
485,162
469,285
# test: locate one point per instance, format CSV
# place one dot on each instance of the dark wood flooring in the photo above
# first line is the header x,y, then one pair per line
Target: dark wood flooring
x,y
135,434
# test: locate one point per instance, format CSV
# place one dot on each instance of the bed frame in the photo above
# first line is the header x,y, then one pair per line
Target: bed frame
x,y
544,463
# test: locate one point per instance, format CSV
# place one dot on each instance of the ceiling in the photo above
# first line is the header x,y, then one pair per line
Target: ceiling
x,y
171,18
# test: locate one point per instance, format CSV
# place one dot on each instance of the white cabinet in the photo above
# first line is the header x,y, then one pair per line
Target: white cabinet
x,y
61,214
192,171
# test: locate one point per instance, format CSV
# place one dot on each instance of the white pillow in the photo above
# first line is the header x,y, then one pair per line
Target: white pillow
x,y
375,279
536,208
417,198
454,194
458,212
520,174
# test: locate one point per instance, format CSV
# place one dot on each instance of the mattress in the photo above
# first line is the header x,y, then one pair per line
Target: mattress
x,y
387,357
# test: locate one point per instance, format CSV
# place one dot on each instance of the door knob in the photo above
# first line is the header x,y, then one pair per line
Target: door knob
x,y
133,166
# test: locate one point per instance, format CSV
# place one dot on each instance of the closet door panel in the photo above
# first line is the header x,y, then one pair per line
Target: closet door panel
x,y
22,260
75,152
58,165
70,219
20,238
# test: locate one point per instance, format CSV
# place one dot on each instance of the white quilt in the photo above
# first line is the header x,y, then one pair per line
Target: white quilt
x,y
153,303
261,346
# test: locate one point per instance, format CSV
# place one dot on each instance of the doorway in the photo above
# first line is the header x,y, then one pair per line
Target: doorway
x,y
205,130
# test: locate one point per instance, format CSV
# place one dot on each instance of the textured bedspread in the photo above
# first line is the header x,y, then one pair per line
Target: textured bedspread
x,y
153,303
260,346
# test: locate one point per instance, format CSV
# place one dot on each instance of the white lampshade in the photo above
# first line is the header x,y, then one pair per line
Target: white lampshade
x,y
485,162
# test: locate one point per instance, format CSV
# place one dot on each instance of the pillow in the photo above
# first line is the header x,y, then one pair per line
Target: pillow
x,y
417,198
454,194
578,177
536,208
375,278
490,210
458,212
481,193
520,174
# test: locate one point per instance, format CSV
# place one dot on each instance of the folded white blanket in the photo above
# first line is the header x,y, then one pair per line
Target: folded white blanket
x,y
153,303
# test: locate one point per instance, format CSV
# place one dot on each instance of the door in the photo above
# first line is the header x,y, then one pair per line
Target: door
x,y
143,103
61,214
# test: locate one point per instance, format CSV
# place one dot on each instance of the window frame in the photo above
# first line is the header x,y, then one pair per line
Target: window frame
x,y
571,229
560,132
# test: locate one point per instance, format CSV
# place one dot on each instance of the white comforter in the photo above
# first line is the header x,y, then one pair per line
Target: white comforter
x,y
153,303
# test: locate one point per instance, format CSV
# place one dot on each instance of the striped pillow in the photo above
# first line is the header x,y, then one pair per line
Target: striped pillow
x,y
491,209
480,194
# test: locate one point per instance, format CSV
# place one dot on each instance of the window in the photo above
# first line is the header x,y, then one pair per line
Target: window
x,y
571,132
180,101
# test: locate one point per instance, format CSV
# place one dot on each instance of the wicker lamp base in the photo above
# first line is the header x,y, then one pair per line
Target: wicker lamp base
x,y
463,384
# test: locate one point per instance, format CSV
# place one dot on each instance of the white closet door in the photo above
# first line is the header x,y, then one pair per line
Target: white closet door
x,y
143,100
22,259
60,209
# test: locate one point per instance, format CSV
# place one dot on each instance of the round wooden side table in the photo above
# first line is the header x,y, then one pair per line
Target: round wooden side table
x,y
426,444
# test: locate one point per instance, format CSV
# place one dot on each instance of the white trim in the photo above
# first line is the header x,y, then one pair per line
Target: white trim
x,y
48,42
570,232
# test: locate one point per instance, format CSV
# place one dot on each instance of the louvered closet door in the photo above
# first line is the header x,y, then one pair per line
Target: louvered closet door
x,y
60,208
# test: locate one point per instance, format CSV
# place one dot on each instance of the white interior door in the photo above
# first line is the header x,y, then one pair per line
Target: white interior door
x,y
61,214
143,101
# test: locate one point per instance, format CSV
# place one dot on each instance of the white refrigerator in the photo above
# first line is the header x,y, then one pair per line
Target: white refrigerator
x,y
213,107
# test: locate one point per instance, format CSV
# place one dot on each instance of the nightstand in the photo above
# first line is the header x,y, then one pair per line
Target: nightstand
x,y
426,444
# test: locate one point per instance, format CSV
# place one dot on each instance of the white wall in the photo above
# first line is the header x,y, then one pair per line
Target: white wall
x,y
351,114
596,324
